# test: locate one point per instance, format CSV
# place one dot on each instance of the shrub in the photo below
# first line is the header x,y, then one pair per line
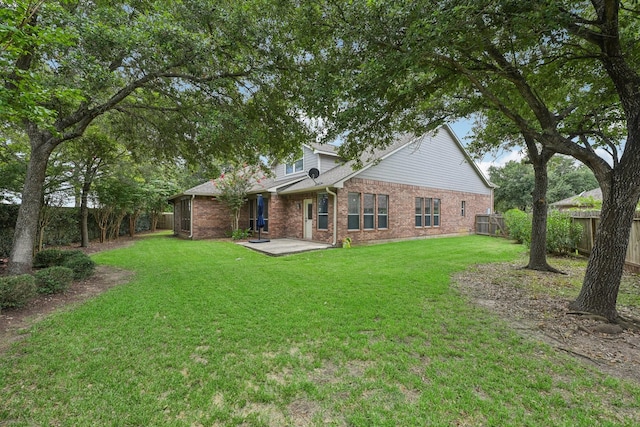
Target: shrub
x,y
16,291
53,280
241,234
48,258
519,225
81,264
563,234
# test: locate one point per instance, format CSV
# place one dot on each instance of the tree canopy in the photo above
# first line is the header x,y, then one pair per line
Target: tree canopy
x,y
193,79
559,75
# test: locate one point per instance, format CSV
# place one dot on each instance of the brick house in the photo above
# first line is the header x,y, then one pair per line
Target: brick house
x,y
416,187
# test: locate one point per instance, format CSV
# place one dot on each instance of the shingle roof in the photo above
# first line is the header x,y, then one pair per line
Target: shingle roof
x,y
574,201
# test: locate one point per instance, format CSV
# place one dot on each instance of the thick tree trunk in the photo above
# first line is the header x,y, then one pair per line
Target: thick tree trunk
x,y
538,249
24,237
601,284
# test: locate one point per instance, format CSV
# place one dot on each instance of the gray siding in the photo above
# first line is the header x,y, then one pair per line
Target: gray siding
x,y
435,161
309,159
327,163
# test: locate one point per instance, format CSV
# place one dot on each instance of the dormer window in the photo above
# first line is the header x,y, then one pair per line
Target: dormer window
x,y
297,166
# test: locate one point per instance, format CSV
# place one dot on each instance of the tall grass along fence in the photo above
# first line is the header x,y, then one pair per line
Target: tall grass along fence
x,y
493,225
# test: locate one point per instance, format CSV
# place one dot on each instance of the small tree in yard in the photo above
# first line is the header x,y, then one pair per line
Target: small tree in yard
x,y
233,187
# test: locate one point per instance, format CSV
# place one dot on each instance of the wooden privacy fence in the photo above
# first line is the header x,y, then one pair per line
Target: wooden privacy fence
x,y
165,222
589,221
493,225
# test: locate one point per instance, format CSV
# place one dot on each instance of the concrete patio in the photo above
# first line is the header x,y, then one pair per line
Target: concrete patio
x,y
276,247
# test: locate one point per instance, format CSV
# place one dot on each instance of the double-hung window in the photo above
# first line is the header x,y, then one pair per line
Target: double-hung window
x,y
427,212
368,212
436,212
353,214
323,211
383,211
419,211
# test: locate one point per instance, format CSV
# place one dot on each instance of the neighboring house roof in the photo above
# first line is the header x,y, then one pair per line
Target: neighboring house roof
x,y
575,201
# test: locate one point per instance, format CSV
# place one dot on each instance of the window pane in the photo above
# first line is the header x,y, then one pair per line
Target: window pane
x,y
298,166
419,211
353,222
354,203
436,212
289,168
383,204
369,203
382,221
368,221
323,203
323,222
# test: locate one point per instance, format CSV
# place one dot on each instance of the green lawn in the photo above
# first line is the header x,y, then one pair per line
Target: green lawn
x,y
211,333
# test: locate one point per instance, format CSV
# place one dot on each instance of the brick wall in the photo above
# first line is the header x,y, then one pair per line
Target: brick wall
x,y
211,219
402,210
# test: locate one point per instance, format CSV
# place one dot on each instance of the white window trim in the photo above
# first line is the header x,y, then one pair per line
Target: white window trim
x,y
293,167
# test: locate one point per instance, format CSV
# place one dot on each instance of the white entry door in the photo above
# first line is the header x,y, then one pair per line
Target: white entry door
x,y
308,218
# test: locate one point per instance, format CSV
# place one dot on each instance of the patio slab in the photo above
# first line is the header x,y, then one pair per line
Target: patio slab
x,y
278,247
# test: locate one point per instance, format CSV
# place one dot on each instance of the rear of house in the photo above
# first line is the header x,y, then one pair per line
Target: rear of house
x,y
417,187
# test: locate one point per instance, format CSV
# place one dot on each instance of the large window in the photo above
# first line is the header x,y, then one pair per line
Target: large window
x,y
297,166
323,211
383,211
353,220
368,211
185,215
428,212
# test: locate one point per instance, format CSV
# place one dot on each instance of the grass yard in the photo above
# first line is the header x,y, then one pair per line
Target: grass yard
x,y
213,334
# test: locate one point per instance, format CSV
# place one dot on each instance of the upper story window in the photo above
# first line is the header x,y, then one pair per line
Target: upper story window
x,y
297,166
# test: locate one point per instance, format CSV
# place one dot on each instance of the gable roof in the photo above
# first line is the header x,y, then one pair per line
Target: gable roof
x,y
337,176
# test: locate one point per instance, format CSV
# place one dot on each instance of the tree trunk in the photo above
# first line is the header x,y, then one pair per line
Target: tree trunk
x,y
24,237
133,219
538,249
84,214
601,283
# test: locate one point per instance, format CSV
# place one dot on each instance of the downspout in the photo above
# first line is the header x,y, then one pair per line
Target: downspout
x,y
193,197
335,216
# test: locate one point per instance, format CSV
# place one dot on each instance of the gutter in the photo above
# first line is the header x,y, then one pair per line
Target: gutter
x,y
335,215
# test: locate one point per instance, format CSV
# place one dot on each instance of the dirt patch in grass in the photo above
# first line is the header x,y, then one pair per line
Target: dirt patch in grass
x,y
536,305
14,323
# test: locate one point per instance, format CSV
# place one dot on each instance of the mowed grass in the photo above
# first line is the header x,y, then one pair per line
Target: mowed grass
x,y
211,333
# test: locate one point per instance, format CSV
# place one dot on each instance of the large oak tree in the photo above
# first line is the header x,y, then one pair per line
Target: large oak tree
x,y
197,77
560,73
